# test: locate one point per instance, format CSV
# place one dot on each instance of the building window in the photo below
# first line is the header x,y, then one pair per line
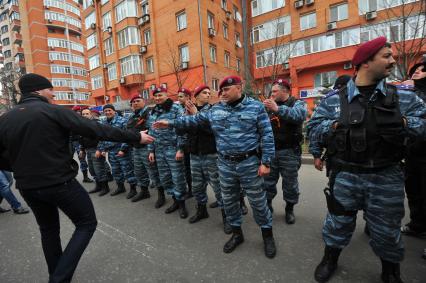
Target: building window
x,y
4,29
326,79
5,41
70,96
215,84
7,54
14,16
61,82
48,15
181,20
238,66
112,71
210,20
223,4
308,21
147,36
60,4
64,69
150,65
89,20
339,12
184,53
109,46
91,41
273,56
145,7
126,9
131,65
272,29
94,62
128,36
117,98
225,30
64,56
263,6
97,82
227,58
106,20
236,13
62,43
213,53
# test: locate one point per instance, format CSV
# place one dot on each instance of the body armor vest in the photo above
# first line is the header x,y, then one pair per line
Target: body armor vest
x,y
202,141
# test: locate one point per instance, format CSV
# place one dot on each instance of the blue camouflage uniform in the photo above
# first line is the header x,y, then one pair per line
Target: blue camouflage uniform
x,y
240,132
378,191
121,167
287,125
165,147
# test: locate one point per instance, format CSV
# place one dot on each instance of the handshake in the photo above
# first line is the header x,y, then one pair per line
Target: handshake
x,y
145,138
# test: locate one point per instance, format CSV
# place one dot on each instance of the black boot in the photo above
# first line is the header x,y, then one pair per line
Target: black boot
x,y
189,194
161,198
200,214
236,239
243,206
328,264
110,177
104,188
183,213
270,206
390,272
289,213
96,189
214,204
132,192
86,178
366,230
120,189
226,226
143,194
3,210
173,207
268,242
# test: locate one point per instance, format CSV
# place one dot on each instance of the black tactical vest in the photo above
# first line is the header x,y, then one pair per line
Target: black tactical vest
x,y
370,132
202,141
137,123
286,133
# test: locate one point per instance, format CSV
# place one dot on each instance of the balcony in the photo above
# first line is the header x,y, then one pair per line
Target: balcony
x,y
134,79
15,25
62,26
17,38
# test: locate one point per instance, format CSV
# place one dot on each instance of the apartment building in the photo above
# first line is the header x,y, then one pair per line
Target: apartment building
x,y
45,37
312,42
134,46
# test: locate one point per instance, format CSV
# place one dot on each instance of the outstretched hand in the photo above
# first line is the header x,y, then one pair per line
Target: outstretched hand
x,y
160,124
145,138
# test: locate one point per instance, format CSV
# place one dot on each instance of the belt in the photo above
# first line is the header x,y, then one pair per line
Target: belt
x,y
239,156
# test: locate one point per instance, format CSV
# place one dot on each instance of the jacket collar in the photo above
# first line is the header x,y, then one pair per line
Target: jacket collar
x,y
32,97
353,90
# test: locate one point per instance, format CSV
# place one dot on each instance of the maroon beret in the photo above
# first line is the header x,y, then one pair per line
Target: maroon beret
x,y
199,89
231,80
368,49
185,91
159,89
136,96
95,111
283,83
76,108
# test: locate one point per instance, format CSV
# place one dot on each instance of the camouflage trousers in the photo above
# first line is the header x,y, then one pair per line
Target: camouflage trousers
x,y
171,171
82,160
235,176
381,196
204,171
287,162
121,167
143,169
100,166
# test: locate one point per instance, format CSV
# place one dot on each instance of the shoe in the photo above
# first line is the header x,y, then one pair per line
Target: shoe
x,y
409,231
200,214
390,272
173,207
214,204
270,206
120,189
3,210
143,194
96,189
268,242
161,198
289,214
366,230
183,213
21,210
243,206
104,188
132,192
328,264
110,178
227,228
236,240
86,178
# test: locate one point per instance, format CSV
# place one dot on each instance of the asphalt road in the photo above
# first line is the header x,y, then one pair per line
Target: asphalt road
x,y
135,242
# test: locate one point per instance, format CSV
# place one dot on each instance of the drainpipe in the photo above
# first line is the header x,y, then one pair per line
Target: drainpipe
x,y
203,57
246,41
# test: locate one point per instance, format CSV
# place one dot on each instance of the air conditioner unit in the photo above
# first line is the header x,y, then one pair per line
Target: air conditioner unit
x,y
228,15
238,44
47,7
309,2
49,21
152,87
141,21
108,29
146,18
52,47
122,80
298,4
184,65
143,49
286,66
212,32
93,26
332,25
105,65
370,15
347,66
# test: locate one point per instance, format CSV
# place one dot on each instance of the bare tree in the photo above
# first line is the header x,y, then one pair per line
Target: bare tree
x,y
9,80
174,62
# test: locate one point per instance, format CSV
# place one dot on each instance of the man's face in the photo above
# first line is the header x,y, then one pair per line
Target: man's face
x,y
279,93
160,97
182,98
420,73
230,93
382,64
86,113
137,104
203,97
48,94
109,113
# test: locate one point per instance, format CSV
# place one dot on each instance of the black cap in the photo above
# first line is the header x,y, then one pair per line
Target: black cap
x,y
33,82
108,106
414,68
341,81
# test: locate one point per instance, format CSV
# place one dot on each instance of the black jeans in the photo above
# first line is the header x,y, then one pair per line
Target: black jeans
x,y
74,201
415,187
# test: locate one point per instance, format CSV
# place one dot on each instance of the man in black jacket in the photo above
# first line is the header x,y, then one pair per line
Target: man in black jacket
x,y
34,143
